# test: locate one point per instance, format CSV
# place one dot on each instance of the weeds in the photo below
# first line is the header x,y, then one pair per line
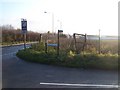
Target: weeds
x,y
70,59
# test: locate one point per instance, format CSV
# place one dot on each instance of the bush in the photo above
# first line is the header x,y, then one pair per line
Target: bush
x,y
86,60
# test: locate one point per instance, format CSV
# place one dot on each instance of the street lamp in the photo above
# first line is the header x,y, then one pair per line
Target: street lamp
x,y
52,21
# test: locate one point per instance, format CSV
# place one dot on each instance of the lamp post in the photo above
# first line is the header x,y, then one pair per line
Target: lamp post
x,y
52,21
58,45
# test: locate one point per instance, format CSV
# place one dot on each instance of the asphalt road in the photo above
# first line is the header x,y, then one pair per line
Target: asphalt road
x,y
17,73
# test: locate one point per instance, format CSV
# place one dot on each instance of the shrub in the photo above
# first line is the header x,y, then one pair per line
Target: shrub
x,y
85,60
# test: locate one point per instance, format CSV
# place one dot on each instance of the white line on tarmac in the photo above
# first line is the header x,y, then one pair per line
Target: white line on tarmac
x,y
82,85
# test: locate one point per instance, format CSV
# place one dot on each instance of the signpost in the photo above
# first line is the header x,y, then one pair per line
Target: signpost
x,y
40,40
58,45
24,30
99,43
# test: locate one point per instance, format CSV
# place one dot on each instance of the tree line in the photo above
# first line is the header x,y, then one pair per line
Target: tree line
x,y
12,35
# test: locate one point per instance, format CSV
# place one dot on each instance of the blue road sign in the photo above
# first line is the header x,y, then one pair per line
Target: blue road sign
x,y
53,45
24,26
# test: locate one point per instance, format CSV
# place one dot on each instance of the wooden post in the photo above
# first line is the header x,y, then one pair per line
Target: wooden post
x,y
84,45
45,47
99,43
75,43
58,45
24,40
40,38
46,41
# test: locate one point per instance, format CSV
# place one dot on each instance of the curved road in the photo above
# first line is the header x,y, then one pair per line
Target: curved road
x,y
17,73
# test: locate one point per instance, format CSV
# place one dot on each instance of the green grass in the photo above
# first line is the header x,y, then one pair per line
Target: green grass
x,y
86,60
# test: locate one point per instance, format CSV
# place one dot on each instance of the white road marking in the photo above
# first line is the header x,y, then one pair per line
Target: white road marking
x,y
82,85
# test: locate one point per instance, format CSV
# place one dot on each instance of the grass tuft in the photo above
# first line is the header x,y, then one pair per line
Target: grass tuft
x,y
86,60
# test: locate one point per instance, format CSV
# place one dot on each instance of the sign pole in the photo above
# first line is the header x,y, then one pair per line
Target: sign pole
x,y
58,45
24,40
46,47
24,30
99,43
40,38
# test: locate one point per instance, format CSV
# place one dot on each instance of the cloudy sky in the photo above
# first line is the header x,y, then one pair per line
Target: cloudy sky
x,y
72,16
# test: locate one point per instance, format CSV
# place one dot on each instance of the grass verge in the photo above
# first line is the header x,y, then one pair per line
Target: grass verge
x,y
87,60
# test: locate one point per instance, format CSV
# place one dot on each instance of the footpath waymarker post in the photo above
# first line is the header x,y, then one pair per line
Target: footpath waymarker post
x,y
99,43
58,45
24,30
40,40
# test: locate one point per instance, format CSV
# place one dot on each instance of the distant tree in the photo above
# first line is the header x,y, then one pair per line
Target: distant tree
x,y
7,27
